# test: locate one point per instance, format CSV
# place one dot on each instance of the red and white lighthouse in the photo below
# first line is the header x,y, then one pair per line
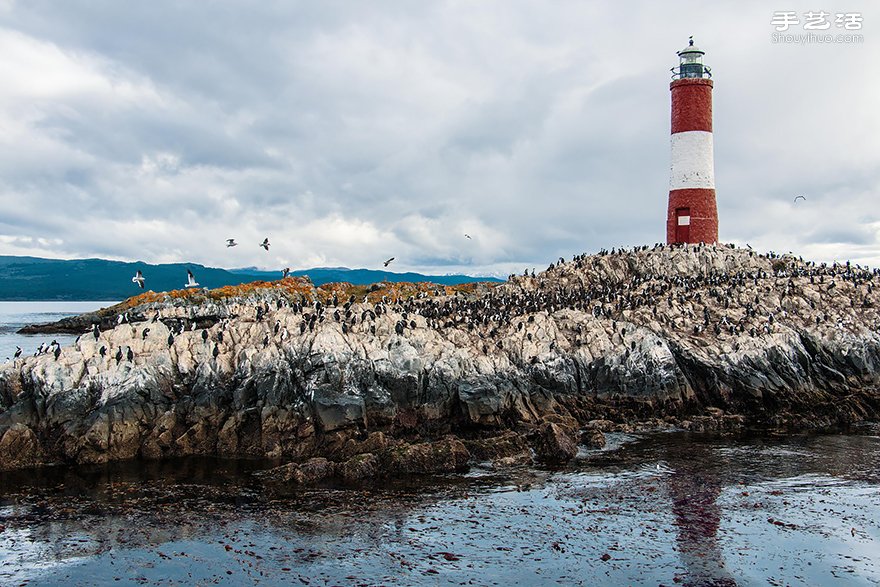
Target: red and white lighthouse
x,y
692,216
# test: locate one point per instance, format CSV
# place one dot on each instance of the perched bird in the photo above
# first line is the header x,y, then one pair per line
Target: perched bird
x,y
129,355
96,331
190,279
230,242
102,351
17,352
118,355
138,279
388,262
145,333
285,272
265,244
216,351
170,339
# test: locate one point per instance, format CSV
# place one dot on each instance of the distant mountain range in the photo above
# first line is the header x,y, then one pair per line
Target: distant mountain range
x,y
33,278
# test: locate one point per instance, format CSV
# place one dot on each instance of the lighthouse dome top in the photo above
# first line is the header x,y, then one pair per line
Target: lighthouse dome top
x,y
691,49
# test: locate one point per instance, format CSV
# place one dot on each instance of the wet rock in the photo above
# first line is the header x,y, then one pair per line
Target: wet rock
x,y
359,468
601,425
593,438
447,455
335,411
20,448
308,473
375,442
553,444
507,448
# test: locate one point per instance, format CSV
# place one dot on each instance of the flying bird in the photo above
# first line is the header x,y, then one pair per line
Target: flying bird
x,y
388,262
467,235
801,197
265,244
230,242
190,279
138,279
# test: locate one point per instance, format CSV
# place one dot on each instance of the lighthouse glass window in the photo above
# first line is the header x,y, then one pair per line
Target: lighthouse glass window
x,y
691,65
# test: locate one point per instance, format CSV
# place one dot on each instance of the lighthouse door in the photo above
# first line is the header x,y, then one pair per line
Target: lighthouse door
x,y
682,225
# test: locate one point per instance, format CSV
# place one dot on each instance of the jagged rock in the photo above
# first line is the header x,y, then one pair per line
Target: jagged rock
x,y
308,473
20,447
593,438
507,448
601,425
553,444
448,455
359,468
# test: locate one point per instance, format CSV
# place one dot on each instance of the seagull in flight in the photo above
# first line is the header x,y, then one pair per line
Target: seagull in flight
x,y
265,244
388,262
285,272
190,279
801,197
138,279
230,242
467,235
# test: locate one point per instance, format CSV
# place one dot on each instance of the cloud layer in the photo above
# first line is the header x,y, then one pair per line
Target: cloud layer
x,y
352,132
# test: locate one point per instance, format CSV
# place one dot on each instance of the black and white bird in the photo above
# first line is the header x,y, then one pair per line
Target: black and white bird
x,y
388,262
265,244
138,279
191,279
285,272
96,331
17,352
230,242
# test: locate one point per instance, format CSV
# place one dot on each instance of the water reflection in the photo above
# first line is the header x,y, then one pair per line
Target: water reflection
x,y
694,486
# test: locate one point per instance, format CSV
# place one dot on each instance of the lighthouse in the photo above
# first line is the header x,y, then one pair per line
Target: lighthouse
x,y
692,215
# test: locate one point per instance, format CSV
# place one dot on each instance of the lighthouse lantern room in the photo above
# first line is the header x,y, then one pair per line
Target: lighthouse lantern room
x,y
692,214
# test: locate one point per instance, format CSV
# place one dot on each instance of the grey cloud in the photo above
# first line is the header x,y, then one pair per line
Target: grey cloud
x,y
343,130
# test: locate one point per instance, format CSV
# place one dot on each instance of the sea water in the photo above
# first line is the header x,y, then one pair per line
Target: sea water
x,y
15,315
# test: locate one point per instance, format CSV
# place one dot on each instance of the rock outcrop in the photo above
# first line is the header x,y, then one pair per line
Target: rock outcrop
x,y
411,378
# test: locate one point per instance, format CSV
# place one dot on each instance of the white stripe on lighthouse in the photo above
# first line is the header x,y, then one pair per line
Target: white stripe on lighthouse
x,y
692,161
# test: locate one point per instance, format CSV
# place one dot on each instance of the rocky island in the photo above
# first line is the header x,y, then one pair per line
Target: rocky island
x,y
354,382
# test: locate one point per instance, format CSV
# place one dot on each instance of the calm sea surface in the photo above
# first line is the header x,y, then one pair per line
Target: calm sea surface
x,y
14,315
655,509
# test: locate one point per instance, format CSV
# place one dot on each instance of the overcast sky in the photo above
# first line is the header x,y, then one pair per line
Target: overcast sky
x,y
350,132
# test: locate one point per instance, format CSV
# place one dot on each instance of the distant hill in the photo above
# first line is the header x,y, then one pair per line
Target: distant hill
x,y
33,278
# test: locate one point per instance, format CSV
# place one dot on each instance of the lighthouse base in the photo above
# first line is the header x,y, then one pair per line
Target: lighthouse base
x,y
692,216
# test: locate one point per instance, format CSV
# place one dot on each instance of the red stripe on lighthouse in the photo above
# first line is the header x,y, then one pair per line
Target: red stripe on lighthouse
x,y
702,216
691,104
